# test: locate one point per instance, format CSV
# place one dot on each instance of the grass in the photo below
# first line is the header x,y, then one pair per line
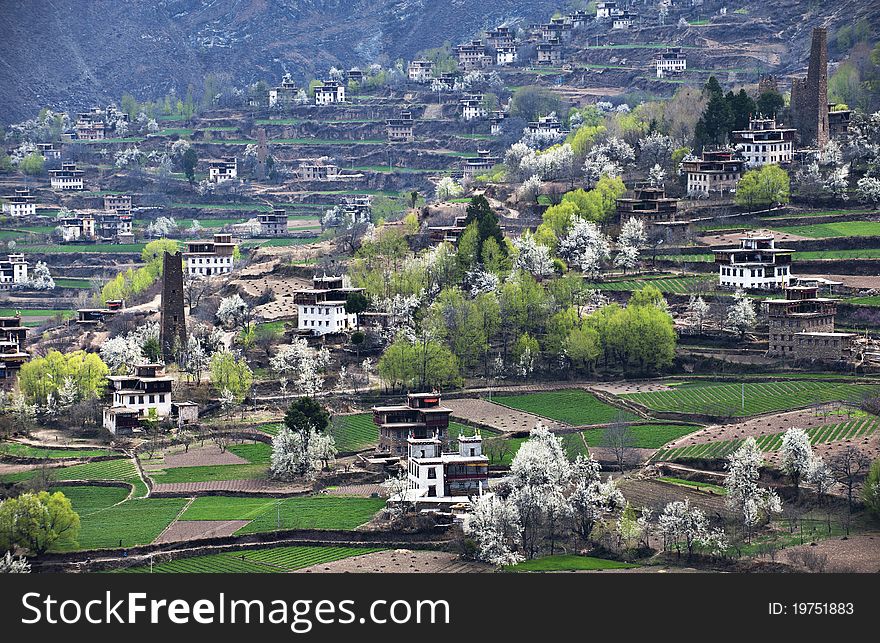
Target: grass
x,y
836,229
270,514
73,282
694,484
36,312
574,406
122,470
209,473
726,399
106,248
697,258
851,429
106,524
646,436
872,300
253,561
253,452
27,451
857,253
567,562
248,207
354,432
677,285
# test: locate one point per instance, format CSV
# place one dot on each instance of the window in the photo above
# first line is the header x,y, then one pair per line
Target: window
x,y
152,399
162,397
432,473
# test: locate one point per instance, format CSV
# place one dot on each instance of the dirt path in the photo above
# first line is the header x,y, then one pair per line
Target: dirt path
x,y
399,561
498,417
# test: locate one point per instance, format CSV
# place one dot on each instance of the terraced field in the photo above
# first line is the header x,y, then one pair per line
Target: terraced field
x,y
677,285
849,430
646,436
270,514
27,451
751,398
122,470
567,562
254,561
354,432
573,406
836,229
257,454
105,523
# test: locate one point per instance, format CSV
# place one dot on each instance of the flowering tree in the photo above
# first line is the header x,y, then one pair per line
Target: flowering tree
x,y
448,188
234,312
531,256
41,278
868,190
656,150
10,564
751,502
797,455
162,227
679,523
495,526
530,189
585,247
741,316
656,176
698,311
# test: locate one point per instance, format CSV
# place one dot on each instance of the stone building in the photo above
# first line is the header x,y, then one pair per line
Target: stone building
x,y
421,417
284,95
320,169
172,321
472,56
482,162
623,19
400,130
809,96
605,10
331,92
801,326
756,265
838,119
549,53
273,224
90,126
435,476
472,107
12,339
77,227
714,172
89,316
117,202
114,227
224,169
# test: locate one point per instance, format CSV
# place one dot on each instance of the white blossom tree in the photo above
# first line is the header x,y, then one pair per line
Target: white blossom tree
x,y
751,502
868,190
585,246
40,277
530,189
680,524
531,256
10,564
698,312
495,526
656,176
234,312
448,188
797,455
741,315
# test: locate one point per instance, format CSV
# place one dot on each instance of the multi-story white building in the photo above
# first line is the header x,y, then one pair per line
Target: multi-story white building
x,y
67,178
420,71
505,55
671,62
209,258
440,477
764,142
756,264
321,309
284,95
623,19
329,93
134,397
319,169
400,130
224,169
50,151
604,10
472,107
20,204
13,271
78,227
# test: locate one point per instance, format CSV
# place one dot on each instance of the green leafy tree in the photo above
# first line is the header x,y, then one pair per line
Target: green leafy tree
x,y
871,489
306,413
532,101
769,103
766,186
355,304
189,161
32,164
156,249
231,373
37,521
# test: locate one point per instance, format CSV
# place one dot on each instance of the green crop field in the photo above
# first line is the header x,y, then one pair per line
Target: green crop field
x,y
253,561
837,229
645,436
73,282
694,258
247,207
208,473
354,432
122,470
36,312
871,300
573,406
253,452
270,514
91,248
861,253
107,520
677,285
820,213
567,562
726,399
27,451
694,484
848,430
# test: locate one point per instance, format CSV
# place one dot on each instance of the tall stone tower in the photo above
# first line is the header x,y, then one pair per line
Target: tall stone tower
x,y
262,152
172,324
809,96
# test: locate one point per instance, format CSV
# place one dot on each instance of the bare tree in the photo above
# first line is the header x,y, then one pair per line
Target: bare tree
x,y
497,449
619,439
847,467
195,289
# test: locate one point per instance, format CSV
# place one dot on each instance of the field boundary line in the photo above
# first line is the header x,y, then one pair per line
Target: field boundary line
x,y
176,518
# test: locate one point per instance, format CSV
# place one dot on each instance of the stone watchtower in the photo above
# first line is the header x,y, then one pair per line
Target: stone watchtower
x,y
809,96
172,325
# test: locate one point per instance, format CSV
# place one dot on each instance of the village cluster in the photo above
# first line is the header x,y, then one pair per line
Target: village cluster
x,y
563,287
